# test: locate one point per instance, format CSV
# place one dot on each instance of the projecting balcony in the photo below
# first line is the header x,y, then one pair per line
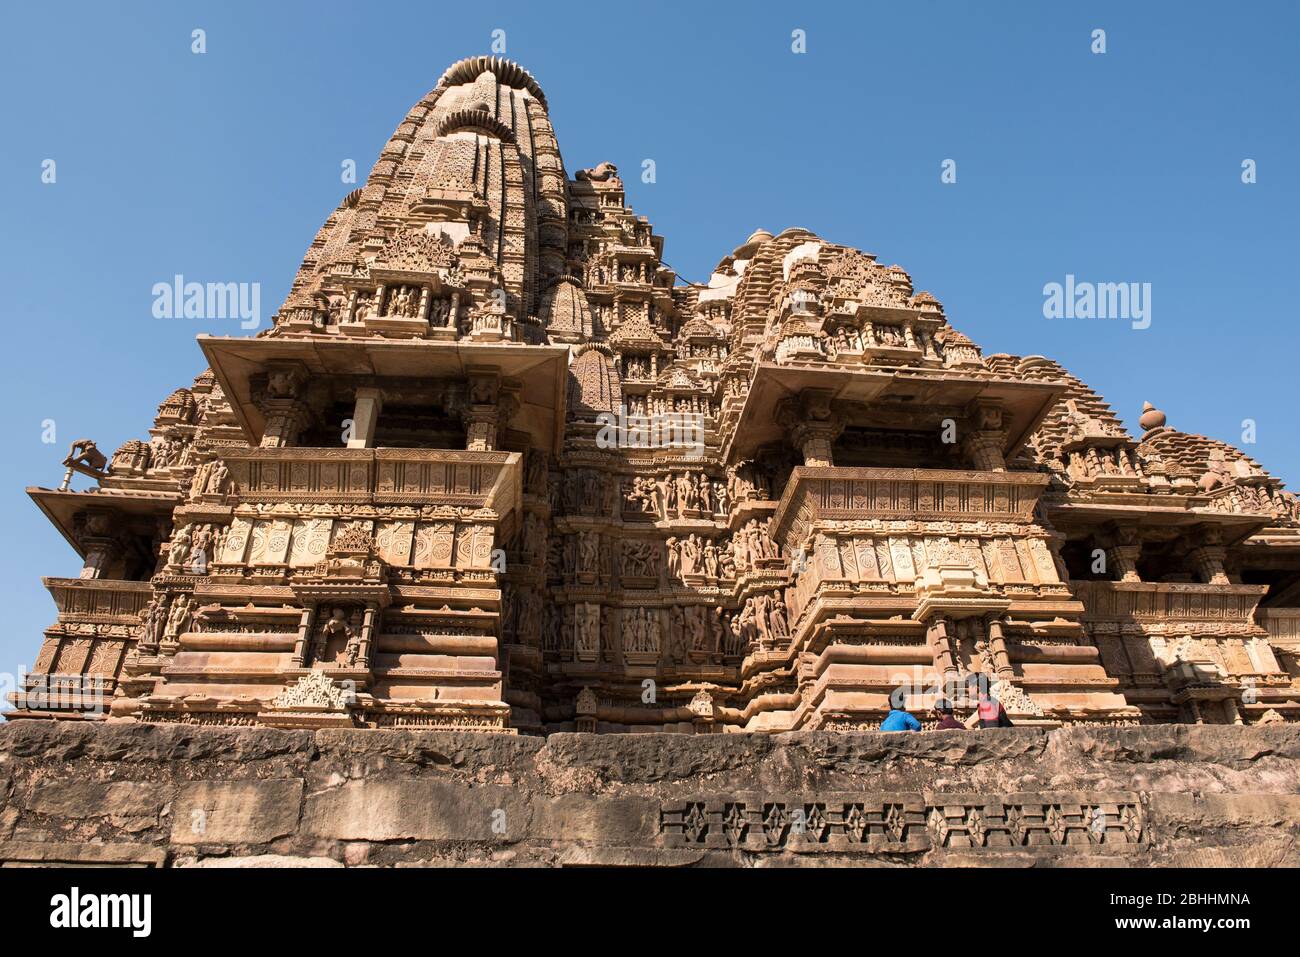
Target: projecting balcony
x,y
1171,604
413,477
816,494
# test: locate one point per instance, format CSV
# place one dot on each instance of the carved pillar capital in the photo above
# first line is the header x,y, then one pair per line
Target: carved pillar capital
x,y
1123,547
98,533
811,425
985,436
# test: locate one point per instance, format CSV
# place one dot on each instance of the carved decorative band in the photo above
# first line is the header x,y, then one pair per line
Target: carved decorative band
x,y
905,822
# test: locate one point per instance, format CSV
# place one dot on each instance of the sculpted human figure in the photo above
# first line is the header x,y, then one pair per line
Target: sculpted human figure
x,y
747,630
179,617
336,625
84,453
200,550
200,481
690,555
668,492
673,547
179,548
704,489
711,559
217,479
588,551
777,625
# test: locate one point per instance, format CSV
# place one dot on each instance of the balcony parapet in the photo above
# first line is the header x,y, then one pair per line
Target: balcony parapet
x,y
418,477
1170,607
819,494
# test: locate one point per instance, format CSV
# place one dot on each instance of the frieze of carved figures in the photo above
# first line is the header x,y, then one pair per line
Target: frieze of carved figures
x,y
642,494
751,544
640,558
746,483
586,490
641,632
404,302
696,556
153,622
166,452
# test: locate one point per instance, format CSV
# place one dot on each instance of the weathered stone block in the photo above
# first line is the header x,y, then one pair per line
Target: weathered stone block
x,y
416,809
235,812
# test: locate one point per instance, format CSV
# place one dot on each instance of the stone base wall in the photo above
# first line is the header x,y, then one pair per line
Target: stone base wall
x,y
177,796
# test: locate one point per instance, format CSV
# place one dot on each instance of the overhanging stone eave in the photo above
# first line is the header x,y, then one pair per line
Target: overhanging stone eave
x,y
61,507
1235,527
1026,402
541,370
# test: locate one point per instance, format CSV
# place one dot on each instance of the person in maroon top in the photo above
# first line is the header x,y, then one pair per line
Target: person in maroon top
x,y
943,711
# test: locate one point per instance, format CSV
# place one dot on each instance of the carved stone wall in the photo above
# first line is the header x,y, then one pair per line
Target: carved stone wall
x,y
177,797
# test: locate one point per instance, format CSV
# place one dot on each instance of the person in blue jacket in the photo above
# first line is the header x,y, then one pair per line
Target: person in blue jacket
x,y
898,719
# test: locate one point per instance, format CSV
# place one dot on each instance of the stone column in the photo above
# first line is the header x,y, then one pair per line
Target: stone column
x,y
285,421
1208,556
1123,548
945,661
365,417
811,425
305,623
998,648
96,531
453,313
483,415
985,437
367,636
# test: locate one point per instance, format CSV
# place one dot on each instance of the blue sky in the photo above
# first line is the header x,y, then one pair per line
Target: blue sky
x,y
1119,167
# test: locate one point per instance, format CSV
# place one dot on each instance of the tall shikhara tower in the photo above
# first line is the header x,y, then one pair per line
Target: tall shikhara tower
x,y
405,504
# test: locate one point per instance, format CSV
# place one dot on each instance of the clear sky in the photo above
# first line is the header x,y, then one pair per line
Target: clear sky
x,y
1124,166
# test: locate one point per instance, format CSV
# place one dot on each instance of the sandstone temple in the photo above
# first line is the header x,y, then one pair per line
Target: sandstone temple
x,y
493,466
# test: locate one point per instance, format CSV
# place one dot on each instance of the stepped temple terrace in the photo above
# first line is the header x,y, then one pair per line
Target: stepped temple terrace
x,y
495,467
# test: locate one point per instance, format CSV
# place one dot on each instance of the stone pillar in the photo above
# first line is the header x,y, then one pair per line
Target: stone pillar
x,y
453,314
423,311
305,623
96,531
811,425
998,649
367,636
1123,548
285,421
1208,555
483,414
365,417
985,437
945,661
